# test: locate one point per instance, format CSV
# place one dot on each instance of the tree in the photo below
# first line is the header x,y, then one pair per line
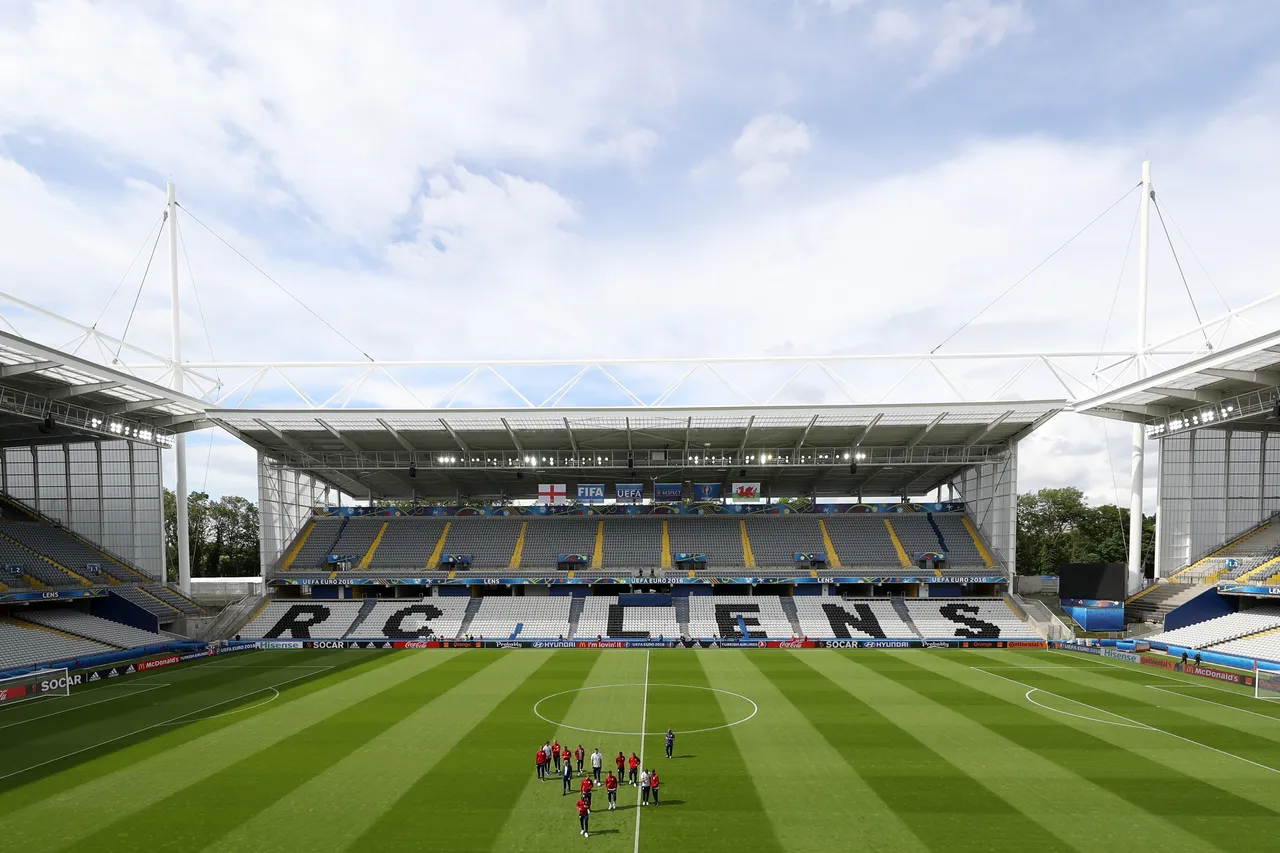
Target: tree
x,y
1057,526
223,536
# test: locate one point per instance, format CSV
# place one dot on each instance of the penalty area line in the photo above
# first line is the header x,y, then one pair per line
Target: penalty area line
x,y
167,722
1134,723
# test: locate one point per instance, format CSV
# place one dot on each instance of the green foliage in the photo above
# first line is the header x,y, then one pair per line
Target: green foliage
x,y
223,540
1057,526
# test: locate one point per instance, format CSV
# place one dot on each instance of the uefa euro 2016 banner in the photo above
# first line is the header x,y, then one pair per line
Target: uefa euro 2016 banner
x,y
662,493
706,492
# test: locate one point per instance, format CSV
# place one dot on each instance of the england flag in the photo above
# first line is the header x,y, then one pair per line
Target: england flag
x,y
556,493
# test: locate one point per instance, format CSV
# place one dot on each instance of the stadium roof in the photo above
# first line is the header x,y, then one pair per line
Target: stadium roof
x,y
791,450
1238,386
47,395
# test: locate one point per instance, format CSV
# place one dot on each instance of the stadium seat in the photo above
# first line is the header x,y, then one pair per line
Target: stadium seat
x,y
829,616
543,618
1223,628
967,618
93,628
300,619
654,621
25,644
716,616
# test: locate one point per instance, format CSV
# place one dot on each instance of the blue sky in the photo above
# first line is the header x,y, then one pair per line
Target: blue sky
x,y
632,178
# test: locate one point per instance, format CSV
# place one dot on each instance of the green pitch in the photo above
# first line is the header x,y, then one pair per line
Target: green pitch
x,y
811,750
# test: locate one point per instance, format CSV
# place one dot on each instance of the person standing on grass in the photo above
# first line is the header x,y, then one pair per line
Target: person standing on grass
x,y
566,754
653,785
542,765
644,787
584,817
555,754
671,742
597,761
611,788
579,755
633,765
586,789
621,761
566,774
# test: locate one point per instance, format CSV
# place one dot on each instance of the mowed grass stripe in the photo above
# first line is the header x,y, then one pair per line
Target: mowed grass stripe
x,y
945,718
947,808
812,796
465,799
1104,755
186,757
1265,716
249,786
330,811
543,816
709,802
1130,701
91,740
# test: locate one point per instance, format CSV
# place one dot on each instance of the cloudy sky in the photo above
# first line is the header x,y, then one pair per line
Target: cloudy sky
x,y
591,179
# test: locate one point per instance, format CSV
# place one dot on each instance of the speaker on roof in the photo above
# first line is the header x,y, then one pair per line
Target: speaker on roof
x,y
413,471
853,467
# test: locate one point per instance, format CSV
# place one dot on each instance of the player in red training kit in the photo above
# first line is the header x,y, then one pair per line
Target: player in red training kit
x,y
566,754
542,766
580,754
621,761
587,785
653,785
634,764
584,816
611,788
555,754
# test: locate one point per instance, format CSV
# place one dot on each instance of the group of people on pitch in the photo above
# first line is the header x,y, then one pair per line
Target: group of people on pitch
x,y
563,759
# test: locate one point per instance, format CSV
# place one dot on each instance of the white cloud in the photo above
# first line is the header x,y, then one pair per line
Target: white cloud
x,y
765,148
950,33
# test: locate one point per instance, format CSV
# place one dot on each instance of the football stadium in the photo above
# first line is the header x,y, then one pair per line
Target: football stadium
x,y
659,602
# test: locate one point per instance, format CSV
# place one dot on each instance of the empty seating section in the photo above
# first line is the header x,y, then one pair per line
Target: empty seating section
x,y
135,595
541,618
632,543
303,619
93,628
66,550
356,537
862,541
24,644
967,618
719,538
962,551
914,532
1261,646
408,543
829,616
404,618
489,541
174,599
717,616
1220,630
547,538
319,542
775,539
627,621
13,554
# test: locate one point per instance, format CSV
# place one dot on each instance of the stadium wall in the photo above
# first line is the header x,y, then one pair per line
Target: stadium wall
x,y
109,492
990,491
1208,605
1214,485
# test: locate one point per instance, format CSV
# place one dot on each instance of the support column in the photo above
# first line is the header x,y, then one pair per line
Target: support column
x,y
1138,435
180,440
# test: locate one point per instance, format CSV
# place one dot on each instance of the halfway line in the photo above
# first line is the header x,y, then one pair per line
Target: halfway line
x,y
644,714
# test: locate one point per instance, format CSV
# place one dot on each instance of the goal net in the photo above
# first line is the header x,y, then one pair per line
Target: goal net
x,y
43,683
1266,684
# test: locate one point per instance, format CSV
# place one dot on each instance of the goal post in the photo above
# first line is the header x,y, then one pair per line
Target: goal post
x,y
34,685
1266,684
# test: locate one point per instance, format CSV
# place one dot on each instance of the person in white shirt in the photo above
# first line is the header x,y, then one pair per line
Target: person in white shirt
x,y
597,760
644,787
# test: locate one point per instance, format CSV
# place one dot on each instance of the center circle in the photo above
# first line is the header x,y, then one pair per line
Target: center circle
x,y
754,709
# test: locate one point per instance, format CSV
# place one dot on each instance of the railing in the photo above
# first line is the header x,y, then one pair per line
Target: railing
x,y
1043,619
